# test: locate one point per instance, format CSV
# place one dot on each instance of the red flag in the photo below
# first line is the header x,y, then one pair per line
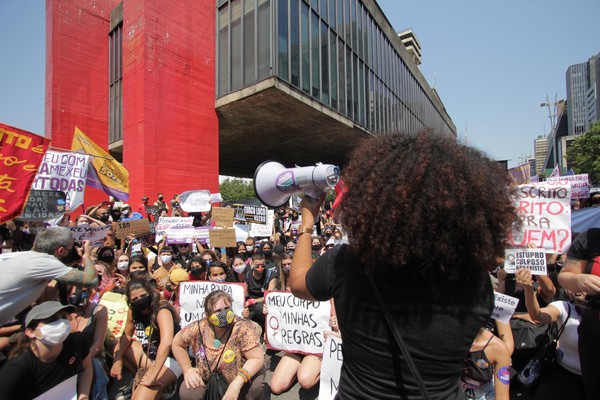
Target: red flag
x,y
21,153
340,189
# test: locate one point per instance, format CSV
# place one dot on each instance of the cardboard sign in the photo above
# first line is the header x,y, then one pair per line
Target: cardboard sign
x,y
43,205
247,213
222,237
192,295
331,367
117,307
222,216
532,259
66,172
580,185
137,227
504,307
545,210
152,210
296,325
263,230
195,201
95,234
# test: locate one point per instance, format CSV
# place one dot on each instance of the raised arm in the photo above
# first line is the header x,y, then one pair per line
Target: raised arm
x,y
544,315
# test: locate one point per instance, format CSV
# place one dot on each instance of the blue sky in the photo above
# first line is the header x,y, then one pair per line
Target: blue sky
x,y
492,62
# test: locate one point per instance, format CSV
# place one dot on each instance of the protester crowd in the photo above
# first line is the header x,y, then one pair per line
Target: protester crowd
x,y
54,326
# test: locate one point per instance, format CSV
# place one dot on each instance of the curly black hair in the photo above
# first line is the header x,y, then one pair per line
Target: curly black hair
x,y
425,206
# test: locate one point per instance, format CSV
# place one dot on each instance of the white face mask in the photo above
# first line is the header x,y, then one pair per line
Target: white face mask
x,y
123,265
166,259
240,268
55,332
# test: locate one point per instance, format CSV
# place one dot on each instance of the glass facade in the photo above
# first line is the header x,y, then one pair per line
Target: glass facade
x,y
333,51
115,84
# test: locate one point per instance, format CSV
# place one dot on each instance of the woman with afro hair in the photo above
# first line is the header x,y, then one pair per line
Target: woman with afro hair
x,y
426,218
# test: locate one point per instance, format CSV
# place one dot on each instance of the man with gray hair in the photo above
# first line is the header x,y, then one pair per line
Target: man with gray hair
x,y
25,276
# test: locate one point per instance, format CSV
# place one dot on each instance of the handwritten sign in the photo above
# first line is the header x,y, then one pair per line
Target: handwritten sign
x,y
263,230
222,216
66,172
43,205
504,307
137,227
181,235
532,259
192,295
545,210
117,307
195,201
247,213
166,224
222,237
95,234
331,368
294,324
580,185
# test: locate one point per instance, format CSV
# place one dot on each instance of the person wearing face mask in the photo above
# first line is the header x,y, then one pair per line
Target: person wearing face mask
x,y
123,265
26,276
171,292
47,356
267,250
154,323
184,255
128,215
197,269
107,254
160,202
222,342
216,271
238,264
103,214
165,260
258,278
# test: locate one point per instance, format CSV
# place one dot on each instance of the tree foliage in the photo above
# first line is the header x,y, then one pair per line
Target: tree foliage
x,y
233,190
585,153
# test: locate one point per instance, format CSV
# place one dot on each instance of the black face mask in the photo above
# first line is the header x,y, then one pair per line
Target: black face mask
x,y
327,234
295,217
141,304
71,258
196,272
268,252
242,254
316,247
104,218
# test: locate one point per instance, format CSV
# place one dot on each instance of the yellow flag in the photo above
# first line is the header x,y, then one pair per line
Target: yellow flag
x,y
105,172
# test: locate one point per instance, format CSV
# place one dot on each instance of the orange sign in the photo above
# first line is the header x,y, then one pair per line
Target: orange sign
x,y
21,153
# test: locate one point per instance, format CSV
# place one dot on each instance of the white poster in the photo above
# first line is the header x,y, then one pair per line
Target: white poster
x,y
166,224
504,307
580,185
195,201
95,234
192,294
296,325
545,212
532,259
66,390
331,368
66,172
263,230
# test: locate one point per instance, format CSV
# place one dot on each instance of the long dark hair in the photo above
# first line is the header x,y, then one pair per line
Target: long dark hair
x,y
157,304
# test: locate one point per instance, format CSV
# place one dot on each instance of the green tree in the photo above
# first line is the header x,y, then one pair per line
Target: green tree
x,y
233,190
585,153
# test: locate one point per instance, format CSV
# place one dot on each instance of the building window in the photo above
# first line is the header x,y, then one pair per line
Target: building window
x,y
282,46
115,82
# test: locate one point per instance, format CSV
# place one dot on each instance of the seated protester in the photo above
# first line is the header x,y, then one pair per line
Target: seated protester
x,y
165,260
171,292
123,265
317,243
564,380
184,255
209,255
267,249
238,265
220,342
486,369
48,355
154,323
138,263
216,272
107,255
258,278
197,269
128,215
284,272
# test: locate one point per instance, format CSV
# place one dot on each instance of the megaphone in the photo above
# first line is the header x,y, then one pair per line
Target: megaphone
x,y
274,184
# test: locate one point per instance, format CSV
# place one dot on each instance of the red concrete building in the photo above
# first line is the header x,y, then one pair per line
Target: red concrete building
x,y
138,77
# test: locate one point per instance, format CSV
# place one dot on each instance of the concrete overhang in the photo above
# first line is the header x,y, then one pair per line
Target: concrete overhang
x,y
273,121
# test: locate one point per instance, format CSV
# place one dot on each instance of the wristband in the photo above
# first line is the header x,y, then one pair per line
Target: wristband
x,y
244,374
305,230
250,302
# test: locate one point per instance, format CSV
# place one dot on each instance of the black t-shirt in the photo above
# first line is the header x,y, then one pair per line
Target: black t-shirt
x,y
438,335
256,288
587,247
26,377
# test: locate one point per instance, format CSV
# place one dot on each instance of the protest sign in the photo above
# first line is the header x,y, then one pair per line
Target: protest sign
x,y
195,201
66,172
117,307
216,198
294,324
137,227
545,211
263,230
241,232
43,205
65,390
181,235
192,295
152,210
331,368
504,307
165,224
222,216
222,237
532,259
21,154
247,213
95,234
580,186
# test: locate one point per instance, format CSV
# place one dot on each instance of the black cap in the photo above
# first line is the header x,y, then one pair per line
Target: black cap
x,y
145,198
46,310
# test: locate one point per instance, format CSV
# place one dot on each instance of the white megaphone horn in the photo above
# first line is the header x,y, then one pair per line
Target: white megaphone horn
x,y
274,184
